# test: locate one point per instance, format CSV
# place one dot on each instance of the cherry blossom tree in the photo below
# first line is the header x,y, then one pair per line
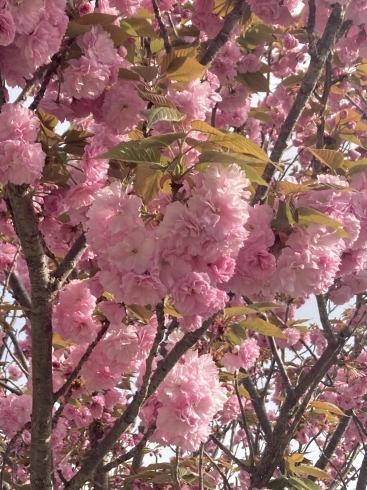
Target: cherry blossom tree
x,y
208,179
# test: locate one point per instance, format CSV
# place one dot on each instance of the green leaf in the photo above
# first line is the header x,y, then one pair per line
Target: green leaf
x,y
357,166
184,69
147,181
250,310
208,157
162,114
118,35
73,135
75,29
292,80
143,313
259,33
261,116
48,120
235,142
55,173
156,45
240,144
178,52
157,99
130,152
148,73
238,311
302,483
161,141
312,471
278,483
331,158
263,327
125,74
128,28
239,330
306,216
254,82
352,138
329,407
96,18
142,27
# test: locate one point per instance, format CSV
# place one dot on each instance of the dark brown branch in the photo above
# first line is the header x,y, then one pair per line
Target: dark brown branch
x,y
32,82
282,433
19,292
16,391
26,226
230,22
325,322
81,362
130,454
131,412
20,356
311,23
222,474
70,261
162,27
323,102
279,362
231,456
2,92
245,425
362,477
318,59
259,407
334,441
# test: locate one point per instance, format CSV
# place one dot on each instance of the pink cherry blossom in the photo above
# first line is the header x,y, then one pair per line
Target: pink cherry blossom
x,y
7,28
85,78
20,162
17,122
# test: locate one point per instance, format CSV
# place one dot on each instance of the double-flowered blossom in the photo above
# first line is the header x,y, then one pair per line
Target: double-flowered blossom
x,y
186,402
21,159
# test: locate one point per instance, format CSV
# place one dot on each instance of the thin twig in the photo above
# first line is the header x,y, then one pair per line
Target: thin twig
x,y
82,361
16,391
222,474
201,451
314,71
248,435
226,451
325,322
281,367
70,261
162,27
130,454
230,22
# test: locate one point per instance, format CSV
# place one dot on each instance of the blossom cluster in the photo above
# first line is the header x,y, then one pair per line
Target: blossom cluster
x,y
21,159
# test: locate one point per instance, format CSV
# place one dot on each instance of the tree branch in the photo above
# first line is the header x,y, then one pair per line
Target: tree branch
x,y
130,454
282,433
281,367
324,318
70,261
81,362
334,441
19,292
26,226
132,410
231,456
259,407
362,477
162,27
230,22
318,59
